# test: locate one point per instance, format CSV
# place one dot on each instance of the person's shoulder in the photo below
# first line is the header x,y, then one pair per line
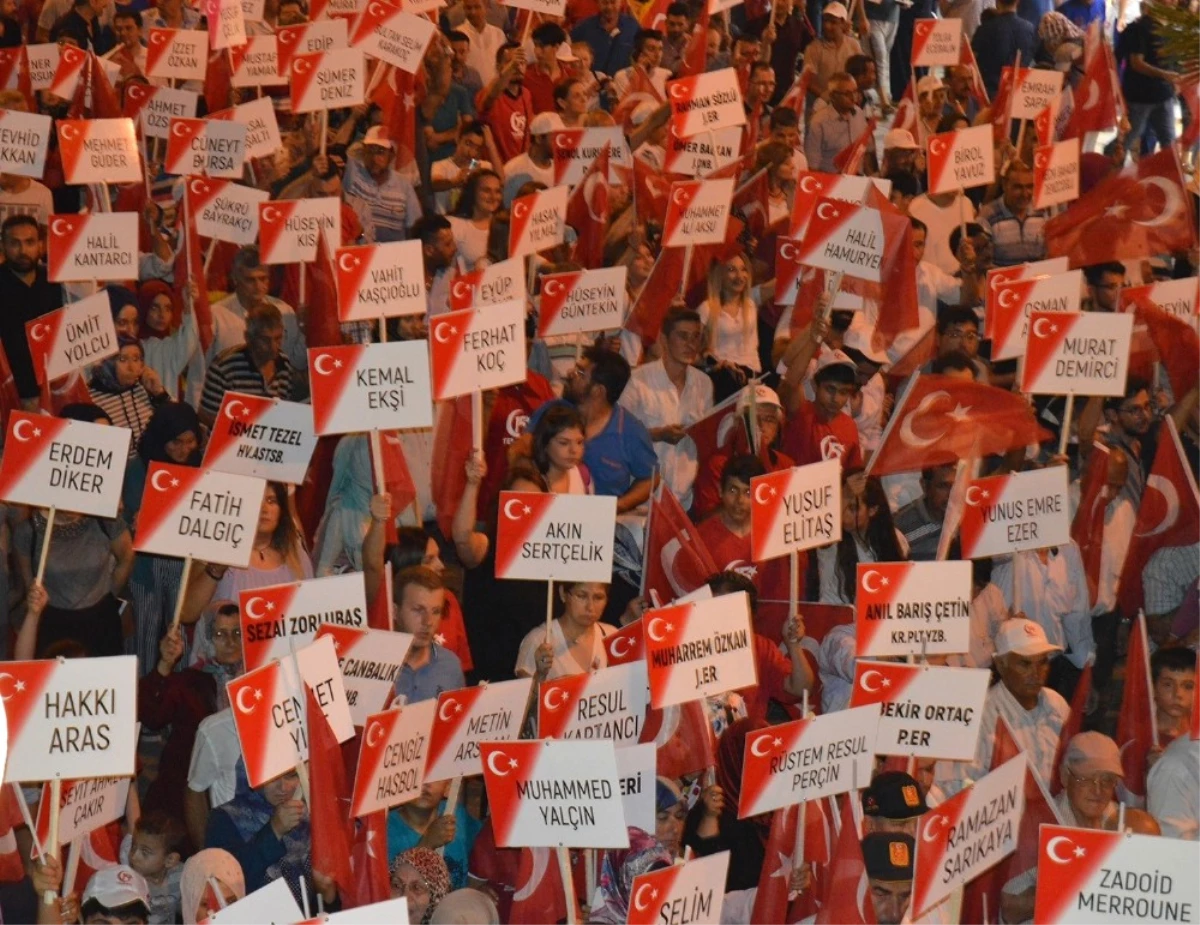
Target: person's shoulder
x,y
228,356
215,724
1055,702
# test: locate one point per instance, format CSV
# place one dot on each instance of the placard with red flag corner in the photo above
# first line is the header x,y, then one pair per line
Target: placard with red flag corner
x,y
256,63
812,186
961,160
224,210
206,147
262,133
795,509
554,794
71,63
697,212
381,386
1009,513
271,903
538,221
807,759
328,80
476,350
608,703
699,649
92,247
226,23
1007,321
582,301
705,102
310,38
262,437
391,762
1056,173
501,282
1086,876
380,280
288,229
1035,89
701,155
70,465
489,712
968,834
386,32
177,54
72,718
913,608
690,892
84,806
574,149
26,142
926,711
99,151
937,42
559,537
269,709
279,618
625,645
1178,297
846,238
153,108
43,62
72,337
211,516
998,275
1085,353
371,660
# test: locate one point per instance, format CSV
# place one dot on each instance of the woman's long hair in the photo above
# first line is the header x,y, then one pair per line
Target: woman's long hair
x,y
556,419
880,536
287,540
466,202
716,298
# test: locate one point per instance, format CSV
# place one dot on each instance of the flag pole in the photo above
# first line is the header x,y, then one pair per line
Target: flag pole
x,y
52,836
74,850
41,569
802,813
1065,437
179,598
568,884
451,803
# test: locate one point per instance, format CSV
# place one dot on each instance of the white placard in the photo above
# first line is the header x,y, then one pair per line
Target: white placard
x,y
795,509
263,437
1083,353
913,608
477,349
1008,513
561,537
280,618
370,386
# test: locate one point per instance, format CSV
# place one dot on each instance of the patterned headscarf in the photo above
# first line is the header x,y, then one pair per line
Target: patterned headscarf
x,y
1055,28
618,871
429,864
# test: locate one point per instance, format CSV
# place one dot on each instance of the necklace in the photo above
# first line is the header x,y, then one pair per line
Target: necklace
x,y
262,552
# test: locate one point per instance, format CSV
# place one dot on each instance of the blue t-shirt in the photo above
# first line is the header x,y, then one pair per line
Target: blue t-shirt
x,y
610,53
401,836
618,456
443,672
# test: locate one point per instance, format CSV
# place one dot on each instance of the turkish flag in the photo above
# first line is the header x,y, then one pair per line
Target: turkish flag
x,y
918,356
847,900
189,267
329,803
774,902
1169,515
695,56
650,191
715,431
540,897
587,212
939,420
849,160
1189,92
677,561
1073,726
452,438
94,85
966,58
1002,105
368,858
797,94
906,111
1177,344
397,479
1140,212
1136,729
750,202
682,736
1087,529
641,89
1097,104
396,92
11,867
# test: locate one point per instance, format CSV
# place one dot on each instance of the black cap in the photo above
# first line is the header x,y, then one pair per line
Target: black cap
x,y
894,795
888,855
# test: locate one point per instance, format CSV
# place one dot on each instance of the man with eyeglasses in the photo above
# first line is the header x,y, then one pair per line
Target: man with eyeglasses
x,y
837,126
389,202
1104,282
958,332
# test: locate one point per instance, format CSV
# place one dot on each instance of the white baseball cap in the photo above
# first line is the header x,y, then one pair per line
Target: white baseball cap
x,y
836,10
858,337
762,396
116,886
1023,637
834,358
544,123
900,138
377,135
564,53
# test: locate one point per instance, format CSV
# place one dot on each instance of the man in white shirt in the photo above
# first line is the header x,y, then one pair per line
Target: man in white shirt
x,y
537,162
647,55
942,213
212,774
484,38
1173,789
1035,714
668,396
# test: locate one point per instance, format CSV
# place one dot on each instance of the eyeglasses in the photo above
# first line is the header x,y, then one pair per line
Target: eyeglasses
x,y
970,337
1096,782
1136,409
233,635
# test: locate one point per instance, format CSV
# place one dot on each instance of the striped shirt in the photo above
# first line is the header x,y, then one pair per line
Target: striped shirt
x,y
234,371
1014,240
391,206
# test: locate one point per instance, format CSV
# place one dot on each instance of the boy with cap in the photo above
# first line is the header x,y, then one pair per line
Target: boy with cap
x,y
1034,712
115,895
888,858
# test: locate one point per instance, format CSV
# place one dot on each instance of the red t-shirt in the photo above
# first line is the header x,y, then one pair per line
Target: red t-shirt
x,y
541,88
510,413
706,493
773,669
809,439
508,117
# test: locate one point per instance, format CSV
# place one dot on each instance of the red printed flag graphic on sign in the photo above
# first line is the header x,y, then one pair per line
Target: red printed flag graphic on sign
x,y
391,764
1007,321
560,537
380,281
203,147
1008,513
279,618
811,187
491,712
1056,173
937,42
574,149
961,160
375,386
625,645
795,509
1178,297
177,54
310,38
493,285
846,239
155,107
371,661
697,212
288,230
690,892
385,31
94,247
538,221
1085,353
225,210
72,337
551,794
472,351
913,608
705,102
582,301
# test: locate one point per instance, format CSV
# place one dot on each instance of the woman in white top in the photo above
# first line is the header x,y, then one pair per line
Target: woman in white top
x,y
558,451
472,220
168,332
731,318
576,639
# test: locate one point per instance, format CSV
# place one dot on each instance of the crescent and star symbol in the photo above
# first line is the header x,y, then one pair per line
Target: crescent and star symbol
x,y
652,631
624,643
552,287
251,605
156,481
508,509
301,65
821,213
19,431
933,826
866,681
1003,299
61,227
241,703
1166,488
232,412
637,897
39,331
678,92
451,702
70,132
975,495
772,740
1172,204
520,209
179,130
1052,850
552,702
758,495
958,415
5,693
348,259
270,214
512,764
680,191
322,367
869,577
441,329
787,251
816,186
935,144
372,738
1040,329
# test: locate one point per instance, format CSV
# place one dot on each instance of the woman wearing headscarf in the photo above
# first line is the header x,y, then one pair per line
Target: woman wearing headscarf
x,y
421,877
745,839
172,436
204,875
670,815
617,874
167,328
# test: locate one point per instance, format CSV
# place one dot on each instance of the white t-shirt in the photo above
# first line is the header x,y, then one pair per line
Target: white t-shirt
x,y
734,338
564,664
34,200
472,242
214,758
941,223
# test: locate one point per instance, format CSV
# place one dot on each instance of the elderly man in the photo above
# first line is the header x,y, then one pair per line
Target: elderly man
x,y
1018,230
390,203
1034,713
888,858
257,367
837,126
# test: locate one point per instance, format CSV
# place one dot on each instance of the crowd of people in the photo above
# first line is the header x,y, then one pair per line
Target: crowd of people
x,y
717,378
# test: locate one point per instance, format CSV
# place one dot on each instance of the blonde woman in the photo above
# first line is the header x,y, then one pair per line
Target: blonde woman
x,y
730,318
